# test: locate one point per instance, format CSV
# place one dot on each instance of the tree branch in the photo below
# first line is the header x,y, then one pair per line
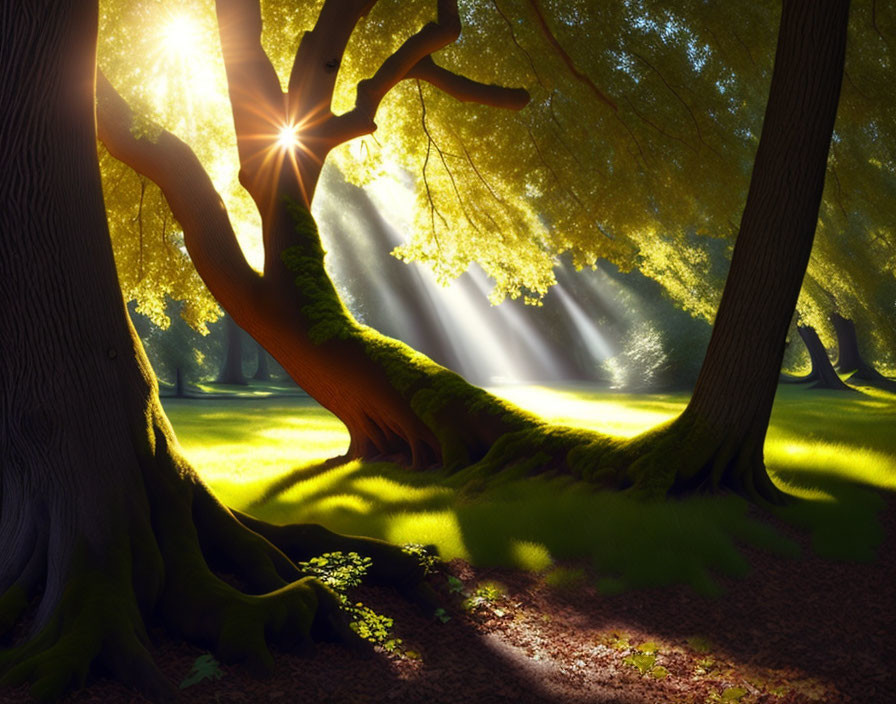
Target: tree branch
x,y
256,98
413,60
320,52
192,197
567,59
467,90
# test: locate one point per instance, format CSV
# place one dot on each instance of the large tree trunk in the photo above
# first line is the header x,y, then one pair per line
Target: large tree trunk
x,y
718,439
232,368
395,403
102,522
822,373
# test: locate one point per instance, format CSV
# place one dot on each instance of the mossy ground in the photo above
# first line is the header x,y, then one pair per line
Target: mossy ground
x,y
837,453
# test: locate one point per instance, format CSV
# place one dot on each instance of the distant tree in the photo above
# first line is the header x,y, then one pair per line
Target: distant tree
x,y
822,374
262,368
232,366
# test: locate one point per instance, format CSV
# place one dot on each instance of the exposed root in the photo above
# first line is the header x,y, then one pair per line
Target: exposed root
x,y
678,458
165,565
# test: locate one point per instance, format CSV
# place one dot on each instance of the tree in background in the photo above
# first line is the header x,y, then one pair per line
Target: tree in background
x,y
232,366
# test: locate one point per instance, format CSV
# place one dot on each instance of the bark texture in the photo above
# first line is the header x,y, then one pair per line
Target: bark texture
x,y
850,359
717,441
103,525
822,373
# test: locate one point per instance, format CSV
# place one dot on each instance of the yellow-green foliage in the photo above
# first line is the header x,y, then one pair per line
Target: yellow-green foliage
x,y
647,185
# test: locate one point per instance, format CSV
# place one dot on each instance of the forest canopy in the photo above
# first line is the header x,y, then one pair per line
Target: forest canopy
x,y
636,146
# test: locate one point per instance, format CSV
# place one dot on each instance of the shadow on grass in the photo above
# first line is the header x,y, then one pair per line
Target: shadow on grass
x,y
529,523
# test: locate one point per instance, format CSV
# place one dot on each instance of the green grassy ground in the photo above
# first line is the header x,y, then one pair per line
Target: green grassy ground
x,y
836,451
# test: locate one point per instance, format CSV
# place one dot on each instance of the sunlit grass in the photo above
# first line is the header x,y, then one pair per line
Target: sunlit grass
x,y
837,452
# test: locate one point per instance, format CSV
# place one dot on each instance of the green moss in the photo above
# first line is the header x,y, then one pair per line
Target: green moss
x,y
327,316
432,391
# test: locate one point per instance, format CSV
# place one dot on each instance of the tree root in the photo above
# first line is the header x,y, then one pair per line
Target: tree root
x,y
165,566
680,457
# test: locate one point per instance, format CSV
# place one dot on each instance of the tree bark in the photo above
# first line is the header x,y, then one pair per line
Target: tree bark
x,y
823,373
722,430
232,368
395,403
103,524
850,357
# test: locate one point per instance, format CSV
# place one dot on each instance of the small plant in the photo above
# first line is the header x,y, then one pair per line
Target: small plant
x,y
344,571
338,570
204,668
455,586
729,694
368,624
442,615
643,661
486,594
426,556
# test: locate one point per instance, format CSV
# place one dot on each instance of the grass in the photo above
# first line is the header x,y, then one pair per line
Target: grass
x,y
836,451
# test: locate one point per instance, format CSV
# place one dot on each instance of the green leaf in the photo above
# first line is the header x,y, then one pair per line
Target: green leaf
x,y
204,668
659,672
643,661
733,694
648,647
442,615
455,586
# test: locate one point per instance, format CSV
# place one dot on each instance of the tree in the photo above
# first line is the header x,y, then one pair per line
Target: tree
x,y
232,367
400,406
822,372
102,522
262,370
850,360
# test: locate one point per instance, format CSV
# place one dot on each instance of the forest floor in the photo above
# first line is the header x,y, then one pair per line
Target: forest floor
x,y
793,631
697,601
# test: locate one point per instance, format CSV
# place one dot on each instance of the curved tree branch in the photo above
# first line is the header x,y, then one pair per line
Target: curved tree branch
x,y
320,53
370,92
467,90
192,197
567,59
256,99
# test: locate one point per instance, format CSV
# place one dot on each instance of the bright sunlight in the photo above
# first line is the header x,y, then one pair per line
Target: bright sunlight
x,y
288,137
180,36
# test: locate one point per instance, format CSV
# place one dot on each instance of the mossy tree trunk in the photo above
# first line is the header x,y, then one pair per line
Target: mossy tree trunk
x,y
395,403
103,525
